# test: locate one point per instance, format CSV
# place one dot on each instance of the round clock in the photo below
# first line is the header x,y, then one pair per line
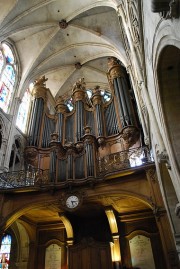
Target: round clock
x,y
72,201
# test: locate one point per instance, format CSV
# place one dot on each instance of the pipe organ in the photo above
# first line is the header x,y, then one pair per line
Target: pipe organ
x,y
75,145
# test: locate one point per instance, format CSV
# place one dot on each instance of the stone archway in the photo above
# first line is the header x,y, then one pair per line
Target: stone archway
x,y
169,84
168,74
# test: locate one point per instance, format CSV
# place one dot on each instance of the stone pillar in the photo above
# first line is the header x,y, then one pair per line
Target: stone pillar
x,y
162,221
177,235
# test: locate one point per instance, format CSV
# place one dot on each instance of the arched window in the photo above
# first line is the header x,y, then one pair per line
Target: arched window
x,y
7,76
24,107
5,251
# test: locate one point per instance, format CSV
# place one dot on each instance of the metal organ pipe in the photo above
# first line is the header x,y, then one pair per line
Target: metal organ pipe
x,y
60,110
52,166
116,73
32,121
89,159
79,97
128,101
97,101
121,112
60,126
44,133
111,120
70,166
38,121
79,119
123,101
39,92
114,120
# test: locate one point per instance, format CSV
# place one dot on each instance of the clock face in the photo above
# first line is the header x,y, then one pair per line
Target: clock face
x,y
72,201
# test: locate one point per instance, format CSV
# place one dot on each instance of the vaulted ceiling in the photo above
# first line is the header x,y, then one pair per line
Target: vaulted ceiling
x,y
44,48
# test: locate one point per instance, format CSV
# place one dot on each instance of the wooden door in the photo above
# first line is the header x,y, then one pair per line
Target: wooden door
x,y
89,254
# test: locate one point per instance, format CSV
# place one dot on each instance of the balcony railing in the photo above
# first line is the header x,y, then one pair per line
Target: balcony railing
x,y
34,177
126,159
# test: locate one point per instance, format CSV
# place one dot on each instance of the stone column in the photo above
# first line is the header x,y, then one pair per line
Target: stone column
x,y
162,221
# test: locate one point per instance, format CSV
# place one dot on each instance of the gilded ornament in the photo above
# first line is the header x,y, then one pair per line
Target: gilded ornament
x,y
60,106
130,135
114,68
39,89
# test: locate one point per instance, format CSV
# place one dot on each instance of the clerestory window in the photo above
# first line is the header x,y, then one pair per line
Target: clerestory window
x,y
23,112
7,76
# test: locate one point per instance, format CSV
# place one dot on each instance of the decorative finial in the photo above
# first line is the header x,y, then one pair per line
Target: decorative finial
x,y
40,81
80,84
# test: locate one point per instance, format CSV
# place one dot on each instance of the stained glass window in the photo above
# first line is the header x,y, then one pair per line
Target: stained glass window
x,y
24,109
5,251
1,61
7,76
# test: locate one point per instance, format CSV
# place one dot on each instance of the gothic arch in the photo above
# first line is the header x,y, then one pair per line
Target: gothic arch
x,y
167,66
167,71
164,42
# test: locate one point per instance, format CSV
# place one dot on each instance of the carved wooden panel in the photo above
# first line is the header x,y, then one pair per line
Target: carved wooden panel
x,y
90,254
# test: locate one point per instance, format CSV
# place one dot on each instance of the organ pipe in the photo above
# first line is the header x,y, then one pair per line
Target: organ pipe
x,y
89,141
79,97
118,78
39,93
60,111
52,169
64,142
97,101
79,119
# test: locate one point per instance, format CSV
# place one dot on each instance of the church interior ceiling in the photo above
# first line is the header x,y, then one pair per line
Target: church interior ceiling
x,y
63,41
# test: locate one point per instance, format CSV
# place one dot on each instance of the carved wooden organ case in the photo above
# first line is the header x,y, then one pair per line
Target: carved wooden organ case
x,y
80,144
